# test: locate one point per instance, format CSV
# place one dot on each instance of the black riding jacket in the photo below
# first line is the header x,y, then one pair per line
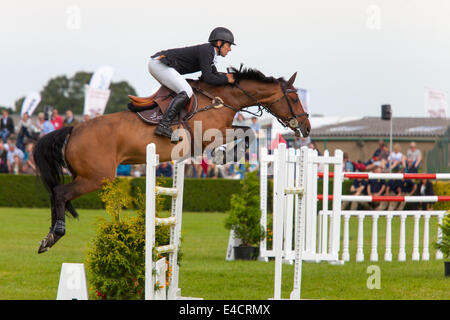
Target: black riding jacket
x,y
192,59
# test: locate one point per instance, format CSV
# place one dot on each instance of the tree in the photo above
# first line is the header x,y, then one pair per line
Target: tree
x,y
65,93
56,94
119,96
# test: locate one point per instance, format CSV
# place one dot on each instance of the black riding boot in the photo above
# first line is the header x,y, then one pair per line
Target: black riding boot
x,y
178,103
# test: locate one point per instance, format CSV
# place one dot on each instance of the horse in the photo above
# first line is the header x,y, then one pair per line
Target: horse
x,y
92,150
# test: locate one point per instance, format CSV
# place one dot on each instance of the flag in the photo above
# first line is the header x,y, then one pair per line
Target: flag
x,y
30,103
95,101
435,103
97,92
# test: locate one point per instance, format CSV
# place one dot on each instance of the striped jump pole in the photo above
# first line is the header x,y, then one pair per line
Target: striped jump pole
x,y
388,198
155,282
392,176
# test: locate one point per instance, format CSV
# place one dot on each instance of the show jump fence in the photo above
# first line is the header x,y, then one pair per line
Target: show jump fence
x,y
155,271
322,229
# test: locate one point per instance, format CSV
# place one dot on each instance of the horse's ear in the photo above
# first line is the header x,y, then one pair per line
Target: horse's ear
x,y
291,80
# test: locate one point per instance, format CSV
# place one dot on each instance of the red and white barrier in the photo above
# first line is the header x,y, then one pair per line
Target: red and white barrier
x,y
389,198
392,176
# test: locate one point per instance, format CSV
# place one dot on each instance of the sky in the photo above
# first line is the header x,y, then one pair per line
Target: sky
x,y
351,55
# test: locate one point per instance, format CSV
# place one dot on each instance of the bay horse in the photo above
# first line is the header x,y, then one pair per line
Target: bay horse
x,y
92,150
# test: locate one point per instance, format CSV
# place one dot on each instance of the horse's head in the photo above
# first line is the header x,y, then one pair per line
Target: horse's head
x,y
288,109
276,96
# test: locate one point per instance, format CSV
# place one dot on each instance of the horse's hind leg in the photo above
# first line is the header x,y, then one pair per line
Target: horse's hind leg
x,y
61,196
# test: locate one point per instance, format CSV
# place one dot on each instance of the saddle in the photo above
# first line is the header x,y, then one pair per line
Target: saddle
x,y
152,109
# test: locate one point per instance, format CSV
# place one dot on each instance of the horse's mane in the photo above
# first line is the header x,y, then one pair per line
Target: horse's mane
x,y
253,74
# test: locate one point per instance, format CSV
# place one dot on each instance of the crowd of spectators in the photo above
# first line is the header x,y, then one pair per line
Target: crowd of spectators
x,y
17,142
395,162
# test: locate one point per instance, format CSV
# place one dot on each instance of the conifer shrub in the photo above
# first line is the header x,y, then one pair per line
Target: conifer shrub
x,y
116,257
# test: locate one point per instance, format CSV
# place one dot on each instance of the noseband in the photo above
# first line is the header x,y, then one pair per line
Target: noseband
x,y
287,122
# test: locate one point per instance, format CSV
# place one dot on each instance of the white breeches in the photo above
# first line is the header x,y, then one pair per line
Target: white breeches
x,y
169,77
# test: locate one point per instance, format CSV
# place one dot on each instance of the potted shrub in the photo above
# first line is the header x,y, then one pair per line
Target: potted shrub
x,y
444,243
244,218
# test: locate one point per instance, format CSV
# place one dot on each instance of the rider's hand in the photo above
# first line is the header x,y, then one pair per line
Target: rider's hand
x,y
230,78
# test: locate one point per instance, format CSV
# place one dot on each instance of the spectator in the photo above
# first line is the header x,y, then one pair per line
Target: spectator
x,y
358,188
254,164
86,117
239,120
380,159
47,127
70,119
424,188
377,152
6,126
3,159
408,188
312,145
123,170
12,153
190,171
376,187
256,127
137,170
215,171
275,142
410,168
16,166
29,165
26,128
348,165
395,159
39,124
301,142
164,170
57,120
414,154
393,188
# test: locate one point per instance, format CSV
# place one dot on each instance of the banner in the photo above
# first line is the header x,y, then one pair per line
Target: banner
x,y
30,103
101,79
95,101
97,92
435,103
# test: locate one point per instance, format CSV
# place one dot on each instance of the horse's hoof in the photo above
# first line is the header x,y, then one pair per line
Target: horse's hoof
x,y
48,241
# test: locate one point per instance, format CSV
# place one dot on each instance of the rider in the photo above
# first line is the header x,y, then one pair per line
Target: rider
x,y
167,66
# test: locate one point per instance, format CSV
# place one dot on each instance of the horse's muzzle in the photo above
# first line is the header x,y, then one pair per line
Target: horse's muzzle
x,y
303,128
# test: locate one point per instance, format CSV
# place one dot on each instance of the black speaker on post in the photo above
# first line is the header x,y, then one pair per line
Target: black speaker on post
x,y
386,112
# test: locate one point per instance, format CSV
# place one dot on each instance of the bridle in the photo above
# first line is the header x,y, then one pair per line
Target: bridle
x,y
287,122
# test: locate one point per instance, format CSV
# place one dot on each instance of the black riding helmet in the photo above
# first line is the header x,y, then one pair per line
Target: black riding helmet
x,y
221,33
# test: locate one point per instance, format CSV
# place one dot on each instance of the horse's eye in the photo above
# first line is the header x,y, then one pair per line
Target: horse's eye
x,y
294,100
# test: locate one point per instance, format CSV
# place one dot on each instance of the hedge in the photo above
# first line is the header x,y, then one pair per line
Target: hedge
x,y
200,195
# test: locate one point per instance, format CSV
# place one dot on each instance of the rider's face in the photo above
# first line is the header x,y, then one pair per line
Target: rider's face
x,y
225,49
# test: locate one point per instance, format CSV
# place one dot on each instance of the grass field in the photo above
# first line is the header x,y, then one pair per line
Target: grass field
x,y
204,272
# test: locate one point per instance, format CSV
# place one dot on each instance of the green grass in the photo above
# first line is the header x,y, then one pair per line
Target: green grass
x,y
204,272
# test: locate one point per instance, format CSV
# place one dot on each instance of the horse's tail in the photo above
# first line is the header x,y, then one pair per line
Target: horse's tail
x,y
49,160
